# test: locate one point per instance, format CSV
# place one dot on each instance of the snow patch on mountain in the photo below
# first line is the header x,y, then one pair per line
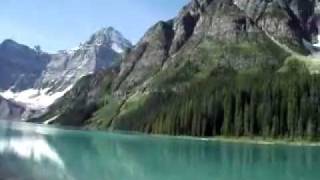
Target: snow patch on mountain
x,y
47,122
318,43
34,98
117,48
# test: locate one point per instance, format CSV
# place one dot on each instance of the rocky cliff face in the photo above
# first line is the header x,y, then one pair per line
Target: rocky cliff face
x,y
10,110
147,56
20,66
229,21
36,79
207,36
280,17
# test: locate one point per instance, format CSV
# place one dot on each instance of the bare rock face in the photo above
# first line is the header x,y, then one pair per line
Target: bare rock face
x,y
10,111
253,8
299,10
185,23
280,17
314,24
147,56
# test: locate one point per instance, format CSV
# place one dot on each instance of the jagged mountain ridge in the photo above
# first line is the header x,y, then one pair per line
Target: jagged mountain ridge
x,y
35,79
207,40
102,51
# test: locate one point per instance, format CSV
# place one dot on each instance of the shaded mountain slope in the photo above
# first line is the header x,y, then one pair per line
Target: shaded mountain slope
x,y
20,66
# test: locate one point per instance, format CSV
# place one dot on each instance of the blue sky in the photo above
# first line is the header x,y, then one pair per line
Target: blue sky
x,y
63,24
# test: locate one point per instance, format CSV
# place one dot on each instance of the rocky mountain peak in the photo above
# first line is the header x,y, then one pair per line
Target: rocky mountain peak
x,y
103,50
8,42
11,45
110,37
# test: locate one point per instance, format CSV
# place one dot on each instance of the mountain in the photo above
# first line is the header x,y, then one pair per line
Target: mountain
x,y
20,66
101,51
36,79
221,67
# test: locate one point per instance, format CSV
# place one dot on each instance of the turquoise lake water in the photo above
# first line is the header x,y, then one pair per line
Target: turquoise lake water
x,y
33,152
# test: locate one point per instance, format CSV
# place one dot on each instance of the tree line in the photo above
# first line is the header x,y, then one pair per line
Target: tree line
x,y
275,105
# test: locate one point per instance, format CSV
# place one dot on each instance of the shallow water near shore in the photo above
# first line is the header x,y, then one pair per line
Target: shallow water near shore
x,y
36,152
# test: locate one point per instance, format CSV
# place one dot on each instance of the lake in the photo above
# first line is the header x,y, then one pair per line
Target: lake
x,y
36,152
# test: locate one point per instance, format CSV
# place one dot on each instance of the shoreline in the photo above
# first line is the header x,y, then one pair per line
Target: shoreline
x,y
254,140
240,140
244,140
266,141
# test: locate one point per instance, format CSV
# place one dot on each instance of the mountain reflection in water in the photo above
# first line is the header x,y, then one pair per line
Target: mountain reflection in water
x,y
33,152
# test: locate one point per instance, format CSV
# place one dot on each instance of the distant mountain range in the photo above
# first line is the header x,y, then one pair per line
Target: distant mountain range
x,y
32,79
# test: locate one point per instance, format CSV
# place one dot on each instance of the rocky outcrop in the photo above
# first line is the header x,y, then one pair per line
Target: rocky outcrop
x,y
147,56
281,18
10,111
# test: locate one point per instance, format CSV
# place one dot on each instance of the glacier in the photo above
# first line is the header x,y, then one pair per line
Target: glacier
x,y
36,99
